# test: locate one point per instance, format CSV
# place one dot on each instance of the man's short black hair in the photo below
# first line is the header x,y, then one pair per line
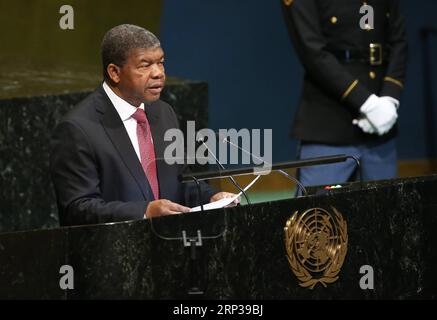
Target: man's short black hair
x,y
118,41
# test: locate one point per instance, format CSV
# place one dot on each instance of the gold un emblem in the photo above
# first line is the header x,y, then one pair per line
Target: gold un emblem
x,y
316,244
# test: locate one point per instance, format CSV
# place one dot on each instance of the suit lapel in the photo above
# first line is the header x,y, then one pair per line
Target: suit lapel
x,y
116,131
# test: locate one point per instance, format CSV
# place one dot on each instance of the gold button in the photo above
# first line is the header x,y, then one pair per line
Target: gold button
x,y
334,20
372,75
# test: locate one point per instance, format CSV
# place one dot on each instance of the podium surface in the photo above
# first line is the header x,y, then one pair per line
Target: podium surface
x,y
241,253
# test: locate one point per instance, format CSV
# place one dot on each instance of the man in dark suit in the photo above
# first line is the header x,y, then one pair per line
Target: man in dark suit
x,y
107,161
354,55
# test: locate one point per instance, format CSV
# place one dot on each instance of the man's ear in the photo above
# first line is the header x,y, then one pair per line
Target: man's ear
x,y
113,72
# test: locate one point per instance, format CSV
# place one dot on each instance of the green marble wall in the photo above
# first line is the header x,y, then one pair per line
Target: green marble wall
x,y
38,57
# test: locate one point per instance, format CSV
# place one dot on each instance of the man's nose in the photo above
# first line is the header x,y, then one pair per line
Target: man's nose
x,y
157,71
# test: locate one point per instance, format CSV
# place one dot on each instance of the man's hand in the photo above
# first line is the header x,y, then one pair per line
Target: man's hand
x,y
164,207
380,113
223,195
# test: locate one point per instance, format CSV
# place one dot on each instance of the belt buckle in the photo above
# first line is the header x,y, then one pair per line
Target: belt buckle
x,y
375,54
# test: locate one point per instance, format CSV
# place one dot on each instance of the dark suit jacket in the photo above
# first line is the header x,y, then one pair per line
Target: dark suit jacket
x,y
95,171
339,77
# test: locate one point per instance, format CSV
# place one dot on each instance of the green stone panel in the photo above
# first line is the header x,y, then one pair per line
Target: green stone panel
x,y
38,57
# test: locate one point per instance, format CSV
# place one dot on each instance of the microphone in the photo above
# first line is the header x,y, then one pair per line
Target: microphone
x,y
219,164
285,174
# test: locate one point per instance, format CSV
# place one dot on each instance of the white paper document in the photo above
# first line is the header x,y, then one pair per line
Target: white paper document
x,y
223,202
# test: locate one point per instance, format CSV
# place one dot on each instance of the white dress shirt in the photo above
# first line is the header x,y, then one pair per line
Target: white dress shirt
x,y
125,111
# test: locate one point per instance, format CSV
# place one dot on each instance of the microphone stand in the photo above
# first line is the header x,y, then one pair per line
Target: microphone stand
x,y
285,174
222,167
199,191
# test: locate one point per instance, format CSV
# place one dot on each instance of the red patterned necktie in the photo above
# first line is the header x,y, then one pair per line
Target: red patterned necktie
x,y
147,152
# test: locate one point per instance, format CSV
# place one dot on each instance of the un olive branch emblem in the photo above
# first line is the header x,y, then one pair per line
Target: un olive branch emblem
x,y
316,245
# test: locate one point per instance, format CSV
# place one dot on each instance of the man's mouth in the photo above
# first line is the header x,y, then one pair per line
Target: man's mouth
x,y
155,88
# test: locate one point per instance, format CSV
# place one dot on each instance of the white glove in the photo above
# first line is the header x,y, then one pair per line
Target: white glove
x,y
365,125
389,106
381,113
392,100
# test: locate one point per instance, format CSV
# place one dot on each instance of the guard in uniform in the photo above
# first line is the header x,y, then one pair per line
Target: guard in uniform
x,y
354,75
